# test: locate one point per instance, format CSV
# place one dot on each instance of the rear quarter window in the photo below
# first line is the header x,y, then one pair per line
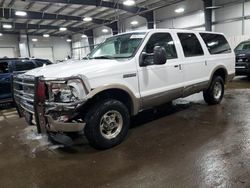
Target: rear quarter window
x,y
216,43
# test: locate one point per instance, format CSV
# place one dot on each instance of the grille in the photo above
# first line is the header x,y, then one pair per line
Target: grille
x,y
24,91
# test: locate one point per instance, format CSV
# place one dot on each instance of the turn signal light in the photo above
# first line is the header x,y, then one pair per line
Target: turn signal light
x,y
41,91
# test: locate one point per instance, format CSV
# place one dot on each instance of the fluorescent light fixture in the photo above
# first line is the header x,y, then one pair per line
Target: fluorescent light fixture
x,y
87,19
63,29
129,2
179,10
1,34
7,26
84,36
105,30
68,40
134,22
214,7
34,40
20,13
46,35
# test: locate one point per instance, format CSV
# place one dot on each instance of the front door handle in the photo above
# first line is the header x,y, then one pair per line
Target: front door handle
x,y
176,66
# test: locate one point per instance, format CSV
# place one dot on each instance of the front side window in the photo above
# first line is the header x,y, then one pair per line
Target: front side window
x,y
24,65
216,44
163,40
4,68
121,46
190,44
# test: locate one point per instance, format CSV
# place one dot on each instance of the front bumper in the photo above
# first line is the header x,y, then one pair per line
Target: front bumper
x,y
42,114
55,126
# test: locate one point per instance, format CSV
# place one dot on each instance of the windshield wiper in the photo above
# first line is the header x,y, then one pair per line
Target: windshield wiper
x,y
103,57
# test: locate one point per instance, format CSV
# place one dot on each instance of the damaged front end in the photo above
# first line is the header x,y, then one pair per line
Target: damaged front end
x,y
51,104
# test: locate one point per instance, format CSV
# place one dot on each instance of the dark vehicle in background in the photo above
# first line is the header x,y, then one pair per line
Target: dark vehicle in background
x,y
242,52
10,65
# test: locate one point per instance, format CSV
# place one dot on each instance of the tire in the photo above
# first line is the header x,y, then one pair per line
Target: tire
x,y
107,124
214,94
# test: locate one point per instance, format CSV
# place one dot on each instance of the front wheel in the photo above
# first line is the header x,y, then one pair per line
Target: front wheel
x,y
107,124
214,94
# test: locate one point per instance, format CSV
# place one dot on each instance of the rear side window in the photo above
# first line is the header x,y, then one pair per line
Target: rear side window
x,y
190,44
216,44
24,65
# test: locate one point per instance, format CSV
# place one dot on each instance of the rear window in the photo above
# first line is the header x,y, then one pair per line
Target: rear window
x,y
24,65
190,44
216,44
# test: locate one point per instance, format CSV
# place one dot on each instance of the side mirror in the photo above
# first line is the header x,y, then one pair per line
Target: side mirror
x,y
160,55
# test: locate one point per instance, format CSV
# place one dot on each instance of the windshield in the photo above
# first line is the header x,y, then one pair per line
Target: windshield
x,y
243,46
121,46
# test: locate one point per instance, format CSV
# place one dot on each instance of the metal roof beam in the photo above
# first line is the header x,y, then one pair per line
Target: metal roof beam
x,y
24,26
10,13
97,3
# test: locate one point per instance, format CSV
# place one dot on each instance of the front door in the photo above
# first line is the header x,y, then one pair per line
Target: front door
x,y
160,83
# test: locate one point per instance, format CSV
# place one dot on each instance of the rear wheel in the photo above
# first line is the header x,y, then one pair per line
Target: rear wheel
x,y
107,124
214,94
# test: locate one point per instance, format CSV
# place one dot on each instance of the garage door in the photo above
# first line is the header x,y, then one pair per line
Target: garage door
x,y
43,53
7,52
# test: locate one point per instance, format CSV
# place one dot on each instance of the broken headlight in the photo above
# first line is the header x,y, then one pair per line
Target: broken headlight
x,y
67,91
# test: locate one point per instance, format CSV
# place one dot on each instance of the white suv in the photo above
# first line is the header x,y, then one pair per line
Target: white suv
x,y
124,75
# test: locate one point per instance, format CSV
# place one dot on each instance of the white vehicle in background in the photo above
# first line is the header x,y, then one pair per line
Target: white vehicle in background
x,y
124,75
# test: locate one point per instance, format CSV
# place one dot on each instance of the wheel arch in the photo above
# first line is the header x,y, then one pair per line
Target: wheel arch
x,y
115,91
219,71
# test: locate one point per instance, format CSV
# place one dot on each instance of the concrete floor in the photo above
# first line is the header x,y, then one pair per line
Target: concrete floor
x,y
188,144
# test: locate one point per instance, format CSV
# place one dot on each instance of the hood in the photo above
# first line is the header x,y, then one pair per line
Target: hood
x,y
88,68
242,54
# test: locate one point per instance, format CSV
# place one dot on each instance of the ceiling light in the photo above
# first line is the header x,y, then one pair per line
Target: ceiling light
x,y
179,10
129,2
84,36
7,26
68,40
87,19
46,35
134,22
105,30
1,34
63,29
34,40
214,7
20,13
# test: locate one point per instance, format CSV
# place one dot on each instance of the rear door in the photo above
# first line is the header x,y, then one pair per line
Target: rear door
x,y
194,64
5,80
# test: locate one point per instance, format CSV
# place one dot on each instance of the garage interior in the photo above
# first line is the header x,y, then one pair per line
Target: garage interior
x,y
183,144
